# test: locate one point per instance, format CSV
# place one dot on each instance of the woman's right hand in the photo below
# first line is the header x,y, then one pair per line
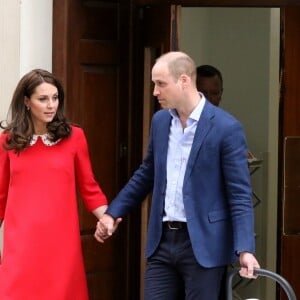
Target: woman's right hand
x,y
106,226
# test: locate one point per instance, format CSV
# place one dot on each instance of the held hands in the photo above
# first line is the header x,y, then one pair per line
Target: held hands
x,y
106,226
248,262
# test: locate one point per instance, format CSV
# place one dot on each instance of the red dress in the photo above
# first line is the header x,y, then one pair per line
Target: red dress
x,y
42,257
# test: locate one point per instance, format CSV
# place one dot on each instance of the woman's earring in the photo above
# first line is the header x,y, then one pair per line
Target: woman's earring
x,y
28,108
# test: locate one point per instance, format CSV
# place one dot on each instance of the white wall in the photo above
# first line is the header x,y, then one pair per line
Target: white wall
x,y
244,44
9,51
26,43
36,35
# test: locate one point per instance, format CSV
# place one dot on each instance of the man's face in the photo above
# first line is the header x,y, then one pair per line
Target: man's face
x,y
211,87
166,88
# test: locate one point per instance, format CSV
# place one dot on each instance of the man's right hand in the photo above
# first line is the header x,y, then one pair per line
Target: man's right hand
x,y
106,226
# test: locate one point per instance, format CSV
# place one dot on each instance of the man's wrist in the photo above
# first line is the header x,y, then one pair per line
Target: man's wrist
x,y
238,252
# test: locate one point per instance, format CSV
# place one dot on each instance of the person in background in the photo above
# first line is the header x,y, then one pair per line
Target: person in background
x,y
201,215
210,83
43,159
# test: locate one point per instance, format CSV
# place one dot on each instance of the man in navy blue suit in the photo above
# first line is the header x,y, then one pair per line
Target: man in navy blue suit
x,y
196,167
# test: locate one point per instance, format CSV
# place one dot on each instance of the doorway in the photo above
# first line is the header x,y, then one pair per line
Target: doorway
x,y
250,67
121,40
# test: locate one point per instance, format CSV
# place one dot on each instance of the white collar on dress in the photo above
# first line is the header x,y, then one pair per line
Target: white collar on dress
x,y
45,139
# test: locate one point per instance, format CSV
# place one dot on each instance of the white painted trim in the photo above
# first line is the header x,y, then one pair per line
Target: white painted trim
x,y
9,51
26,43
36,35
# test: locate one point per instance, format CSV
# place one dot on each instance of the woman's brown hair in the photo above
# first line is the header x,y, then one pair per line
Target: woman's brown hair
x,y
19,125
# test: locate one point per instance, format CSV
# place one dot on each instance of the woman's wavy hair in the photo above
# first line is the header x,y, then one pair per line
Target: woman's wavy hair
x,y
19,126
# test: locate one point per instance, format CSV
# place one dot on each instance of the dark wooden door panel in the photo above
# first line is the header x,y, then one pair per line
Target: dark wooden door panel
x,y
104,268
290,226
87,37
291,60
291,195
290,262
94,52
98,101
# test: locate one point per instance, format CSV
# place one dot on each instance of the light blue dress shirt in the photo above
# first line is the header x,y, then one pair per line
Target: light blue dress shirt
x,y
179,147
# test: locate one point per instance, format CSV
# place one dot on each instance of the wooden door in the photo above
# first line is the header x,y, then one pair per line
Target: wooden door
x,y
289,229
109,93
158,35
90,54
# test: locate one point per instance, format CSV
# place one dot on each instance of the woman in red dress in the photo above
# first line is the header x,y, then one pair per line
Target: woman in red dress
x,y
43,159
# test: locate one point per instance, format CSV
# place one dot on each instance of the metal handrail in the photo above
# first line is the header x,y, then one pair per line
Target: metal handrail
x,y
262,272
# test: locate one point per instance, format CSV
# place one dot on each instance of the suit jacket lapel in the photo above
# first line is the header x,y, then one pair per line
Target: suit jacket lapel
x,y
203,127
162,140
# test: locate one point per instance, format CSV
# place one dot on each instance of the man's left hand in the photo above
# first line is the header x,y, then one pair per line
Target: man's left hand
x,y
248,263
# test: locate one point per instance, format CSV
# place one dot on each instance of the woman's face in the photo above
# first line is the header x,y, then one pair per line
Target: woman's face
x,y
42,104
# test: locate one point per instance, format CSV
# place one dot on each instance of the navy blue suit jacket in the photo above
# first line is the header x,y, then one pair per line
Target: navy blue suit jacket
x,y
216,191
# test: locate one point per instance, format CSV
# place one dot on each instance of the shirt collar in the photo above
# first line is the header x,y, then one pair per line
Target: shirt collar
x,y
45,139
196,113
